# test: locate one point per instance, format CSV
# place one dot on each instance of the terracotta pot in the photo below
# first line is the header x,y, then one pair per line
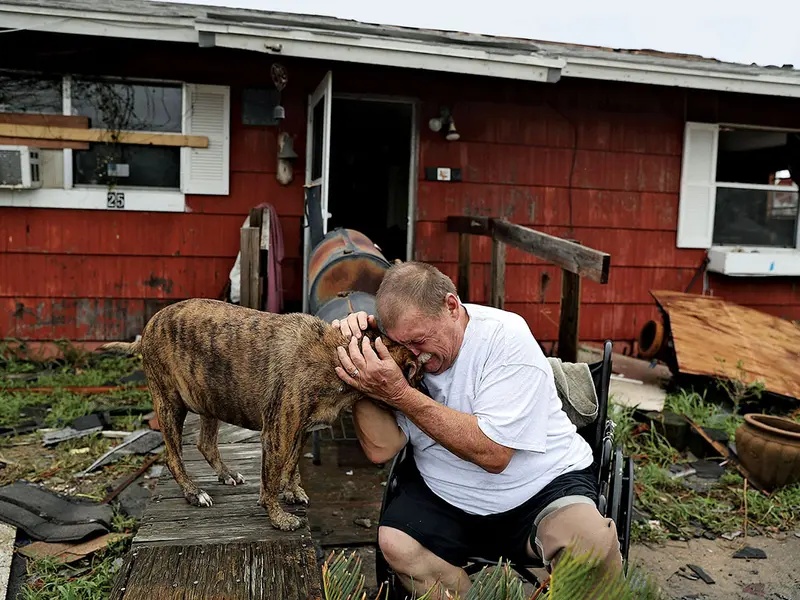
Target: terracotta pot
x,y
769,447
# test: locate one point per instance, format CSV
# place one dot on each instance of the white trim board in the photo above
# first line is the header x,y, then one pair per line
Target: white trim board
x,y
332,39
95,199
754,262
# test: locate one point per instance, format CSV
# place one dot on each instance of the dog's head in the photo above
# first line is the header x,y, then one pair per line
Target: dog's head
x,y
410,365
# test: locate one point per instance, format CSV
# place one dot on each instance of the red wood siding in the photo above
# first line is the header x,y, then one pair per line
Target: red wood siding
x,y
595,161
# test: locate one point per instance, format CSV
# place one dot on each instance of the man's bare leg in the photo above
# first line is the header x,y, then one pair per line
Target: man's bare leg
x,y
418,568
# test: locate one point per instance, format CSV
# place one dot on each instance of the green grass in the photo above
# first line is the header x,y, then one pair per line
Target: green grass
x,y
679,509
702,412
88,579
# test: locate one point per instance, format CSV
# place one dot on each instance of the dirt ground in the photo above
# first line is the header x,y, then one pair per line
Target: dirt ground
x,y
776,577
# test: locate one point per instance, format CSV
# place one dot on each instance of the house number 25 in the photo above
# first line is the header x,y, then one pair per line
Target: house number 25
x,y
115,200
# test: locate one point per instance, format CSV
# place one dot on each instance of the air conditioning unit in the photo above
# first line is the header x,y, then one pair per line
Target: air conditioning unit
x,y
19,168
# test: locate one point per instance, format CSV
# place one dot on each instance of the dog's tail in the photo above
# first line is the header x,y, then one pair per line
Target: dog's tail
x,y
122,347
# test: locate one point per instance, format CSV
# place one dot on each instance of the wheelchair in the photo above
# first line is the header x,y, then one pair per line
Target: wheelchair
x,y
614,477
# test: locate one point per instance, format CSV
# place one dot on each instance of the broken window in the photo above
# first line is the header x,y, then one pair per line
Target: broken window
x,y
123,106
30,93
756,193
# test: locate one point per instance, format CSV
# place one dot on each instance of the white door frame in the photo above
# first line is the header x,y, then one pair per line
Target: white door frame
x,y
323,93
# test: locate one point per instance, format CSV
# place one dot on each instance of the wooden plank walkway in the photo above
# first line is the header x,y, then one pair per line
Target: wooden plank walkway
x,y
228,550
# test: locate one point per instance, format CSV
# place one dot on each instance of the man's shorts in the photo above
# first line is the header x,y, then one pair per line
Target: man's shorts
x,y
455,535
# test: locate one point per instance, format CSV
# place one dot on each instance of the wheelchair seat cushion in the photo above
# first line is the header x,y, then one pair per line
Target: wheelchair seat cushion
x,y
455,535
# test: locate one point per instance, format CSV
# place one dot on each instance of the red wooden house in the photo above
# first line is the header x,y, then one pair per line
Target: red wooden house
x,y
661,160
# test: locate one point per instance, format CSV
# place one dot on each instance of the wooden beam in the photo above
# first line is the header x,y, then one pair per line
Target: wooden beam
x,y
464,260
570,256
40,132
44,144
44,120
473,225
573,257
569,318
498,275
249,247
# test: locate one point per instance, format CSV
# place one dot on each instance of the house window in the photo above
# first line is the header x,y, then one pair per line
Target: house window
x,y
756,199
739,198
128,107
153,174
30,93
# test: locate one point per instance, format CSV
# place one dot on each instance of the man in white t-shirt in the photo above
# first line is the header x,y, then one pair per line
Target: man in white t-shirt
x,y
499,470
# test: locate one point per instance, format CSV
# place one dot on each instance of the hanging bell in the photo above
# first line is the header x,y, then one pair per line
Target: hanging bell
x,y
278,112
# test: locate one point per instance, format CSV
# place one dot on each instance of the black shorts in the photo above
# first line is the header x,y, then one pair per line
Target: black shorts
x,y
455,535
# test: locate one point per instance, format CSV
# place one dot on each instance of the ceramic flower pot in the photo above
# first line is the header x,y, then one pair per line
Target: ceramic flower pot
x,y
769,447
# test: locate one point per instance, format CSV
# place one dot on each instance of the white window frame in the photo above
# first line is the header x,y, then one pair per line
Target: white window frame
x,y
97,197
696,212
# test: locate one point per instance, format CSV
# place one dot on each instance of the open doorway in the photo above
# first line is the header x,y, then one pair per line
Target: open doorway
x,y
370,171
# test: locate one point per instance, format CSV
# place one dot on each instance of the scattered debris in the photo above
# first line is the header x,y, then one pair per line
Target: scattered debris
x,y
757,589
155,472
366,523
138,442
308,455
84,450
53,438
349,472
115,435
51,517
750,552
133,500
682,472
92,421
723,452
702,574
707,469
67,553
731,536
131,478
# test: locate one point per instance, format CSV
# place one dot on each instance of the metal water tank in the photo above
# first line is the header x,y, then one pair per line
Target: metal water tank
x,y
344,261
345,304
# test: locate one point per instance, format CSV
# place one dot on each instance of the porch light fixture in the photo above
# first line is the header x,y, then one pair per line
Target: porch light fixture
x,y
445,118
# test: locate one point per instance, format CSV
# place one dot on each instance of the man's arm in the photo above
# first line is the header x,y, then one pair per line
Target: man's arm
x,y
381,378
377,431
455,430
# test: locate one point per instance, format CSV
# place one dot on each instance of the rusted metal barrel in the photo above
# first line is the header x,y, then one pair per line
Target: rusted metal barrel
x,y
344,261
345,304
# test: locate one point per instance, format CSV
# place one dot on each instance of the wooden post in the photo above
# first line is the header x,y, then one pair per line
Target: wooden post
x,y
498,276
249,246
570,316
464,264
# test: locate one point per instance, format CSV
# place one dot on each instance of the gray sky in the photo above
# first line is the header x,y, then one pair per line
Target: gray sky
x,y
736,30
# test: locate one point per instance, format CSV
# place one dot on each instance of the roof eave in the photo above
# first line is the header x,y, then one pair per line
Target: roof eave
x,y
303,43
675,75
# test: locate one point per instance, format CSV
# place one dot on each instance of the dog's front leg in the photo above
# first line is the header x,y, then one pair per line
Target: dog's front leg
x,y
273,458
291,491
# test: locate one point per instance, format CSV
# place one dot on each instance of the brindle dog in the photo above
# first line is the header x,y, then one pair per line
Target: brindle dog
x,y
267,372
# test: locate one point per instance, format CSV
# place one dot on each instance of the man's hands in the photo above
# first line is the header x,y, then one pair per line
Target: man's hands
x,y
376,375
354,324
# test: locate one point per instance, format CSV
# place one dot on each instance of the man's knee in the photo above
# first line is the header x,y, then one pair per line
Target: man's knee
x,y
399,549
584,529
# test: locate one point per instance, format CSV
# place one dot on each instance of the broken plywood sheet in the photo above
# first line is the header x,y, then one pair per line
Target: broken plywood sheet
x,y
711,336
